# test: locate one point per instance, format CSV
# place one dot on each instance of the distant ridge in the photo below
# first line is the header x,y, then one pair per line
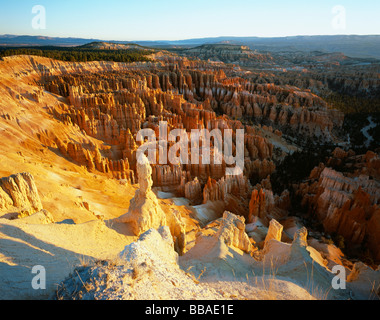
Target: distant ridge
x,y
361,46
103,45
13,40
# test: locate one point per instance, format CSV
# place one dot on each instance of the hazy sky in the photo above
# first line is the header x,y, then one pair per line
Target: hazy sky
x,y
172,20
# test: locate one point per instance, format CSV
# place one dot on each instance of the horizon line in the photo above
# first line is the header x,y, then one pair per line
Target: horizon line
x,y
187,39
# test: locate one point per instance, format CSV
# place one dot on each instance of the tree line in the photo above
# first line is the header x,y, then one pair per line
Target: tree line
x,y
352,104
79,54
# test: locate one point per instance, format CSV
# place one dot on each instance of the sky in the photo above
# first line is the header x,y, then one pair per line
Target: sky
x,y
175,20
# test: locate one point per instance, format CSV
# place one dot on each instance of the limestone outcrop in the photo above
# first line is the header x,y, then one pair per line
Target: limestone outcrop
x,y
345,203
274,231
193,191
266,206
19,193
232,232
112,107
229,185
144,210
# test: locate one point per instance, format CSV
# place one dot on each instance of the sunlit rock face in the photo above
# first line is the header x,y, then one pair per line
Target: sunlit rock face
x,y
144,211
19,194
346,203
114,104
232,232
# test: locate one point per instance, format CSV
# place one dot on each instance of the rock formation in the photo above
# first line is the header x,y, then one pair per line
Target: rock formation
x,y
266,206
274,231
154,243
345,203
88,116
18,192
193,191
232,232
113,108
144,210
229,185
